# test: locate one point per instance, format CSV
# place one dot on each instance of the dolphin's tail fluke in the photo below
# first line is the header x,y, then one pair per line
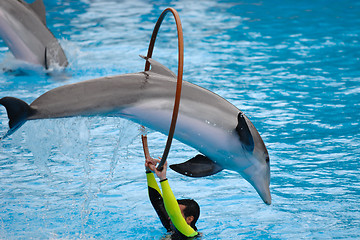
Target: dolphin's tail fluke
x,y
18,111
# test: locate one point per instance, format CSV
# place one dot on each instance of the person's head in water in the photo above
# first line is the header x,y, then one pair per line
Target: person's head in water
x,y
190,210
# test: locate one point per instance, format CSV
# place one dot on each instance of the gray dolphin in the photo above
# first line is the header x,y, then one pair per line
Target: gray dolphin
x,y
23,29
207,122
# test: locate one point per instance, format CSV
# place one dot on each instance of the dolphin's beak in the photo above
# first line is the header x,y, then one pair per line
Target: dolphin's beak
x,y
259,178
264,192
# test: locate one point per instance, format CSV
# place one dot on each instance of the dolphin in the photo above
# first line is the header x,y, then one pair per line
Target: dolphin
x,y
23,29
223,135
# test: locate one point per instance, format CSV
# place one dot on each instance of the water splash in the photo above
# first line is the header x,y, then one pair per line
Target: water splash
x,y
77,156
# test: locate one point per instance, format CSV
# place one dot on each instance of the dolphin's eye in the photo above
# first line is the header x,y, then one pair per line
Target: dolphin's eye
x,y
267,159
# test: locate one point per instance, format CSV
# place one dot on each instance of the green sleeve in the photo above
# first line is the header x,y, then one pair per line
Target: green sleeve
x,y
151,181
173,209
156,200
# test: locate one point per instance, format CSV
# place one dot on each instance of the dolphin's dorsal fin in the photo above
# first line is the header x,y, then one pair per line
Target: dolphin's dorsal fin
x,y
158,68
39,8
198,166
244,133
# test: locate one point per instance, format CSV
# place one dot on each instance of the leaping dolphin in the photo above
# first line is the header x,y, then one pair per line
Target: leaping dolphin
x,y
207,122
23,29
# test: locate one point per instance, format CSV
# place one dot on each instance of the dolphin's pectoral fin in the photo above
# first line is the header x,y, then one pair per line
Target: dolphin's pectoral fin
x,y
158,68
198,166
17,110
51,56
39,8
47,58
54,54
244,133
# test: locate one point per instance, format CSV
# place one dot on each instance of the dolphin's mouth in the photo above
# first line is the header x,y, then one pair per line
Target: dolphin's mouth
x,y
267,200
264,192
259,178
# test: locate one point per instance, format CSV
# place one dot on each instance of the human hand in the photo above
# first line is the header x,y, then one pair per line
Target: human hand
x,y
161,174
150,163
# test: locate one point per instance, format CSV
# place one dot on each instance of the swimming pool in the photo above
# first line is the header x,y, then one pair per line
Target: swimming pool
x,y
291,66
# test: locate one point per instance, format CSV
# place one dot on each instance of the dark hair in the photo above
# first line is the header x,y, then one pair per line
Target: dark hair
x,y
191,209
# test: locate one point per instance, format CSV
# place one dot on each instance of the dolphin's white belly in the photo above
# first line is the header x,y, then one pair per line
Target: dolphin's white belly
x,y
211,139
14,35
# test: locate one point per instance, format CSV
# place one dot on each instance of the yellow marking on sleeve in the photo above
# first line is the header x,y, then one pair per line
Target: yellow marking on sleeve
x,y
174,212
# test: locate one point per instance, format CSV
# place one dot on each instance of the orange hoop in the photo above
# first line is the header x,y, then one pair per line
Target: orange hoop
x,y
179,78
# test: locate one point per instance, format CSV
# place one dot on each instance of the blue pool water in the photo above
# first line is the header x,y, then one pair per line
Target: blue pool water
x,y
292,66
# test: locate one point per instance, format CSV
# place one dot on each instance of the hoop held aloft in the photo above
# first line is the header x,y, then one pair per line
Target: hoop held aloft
x,y
179,76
